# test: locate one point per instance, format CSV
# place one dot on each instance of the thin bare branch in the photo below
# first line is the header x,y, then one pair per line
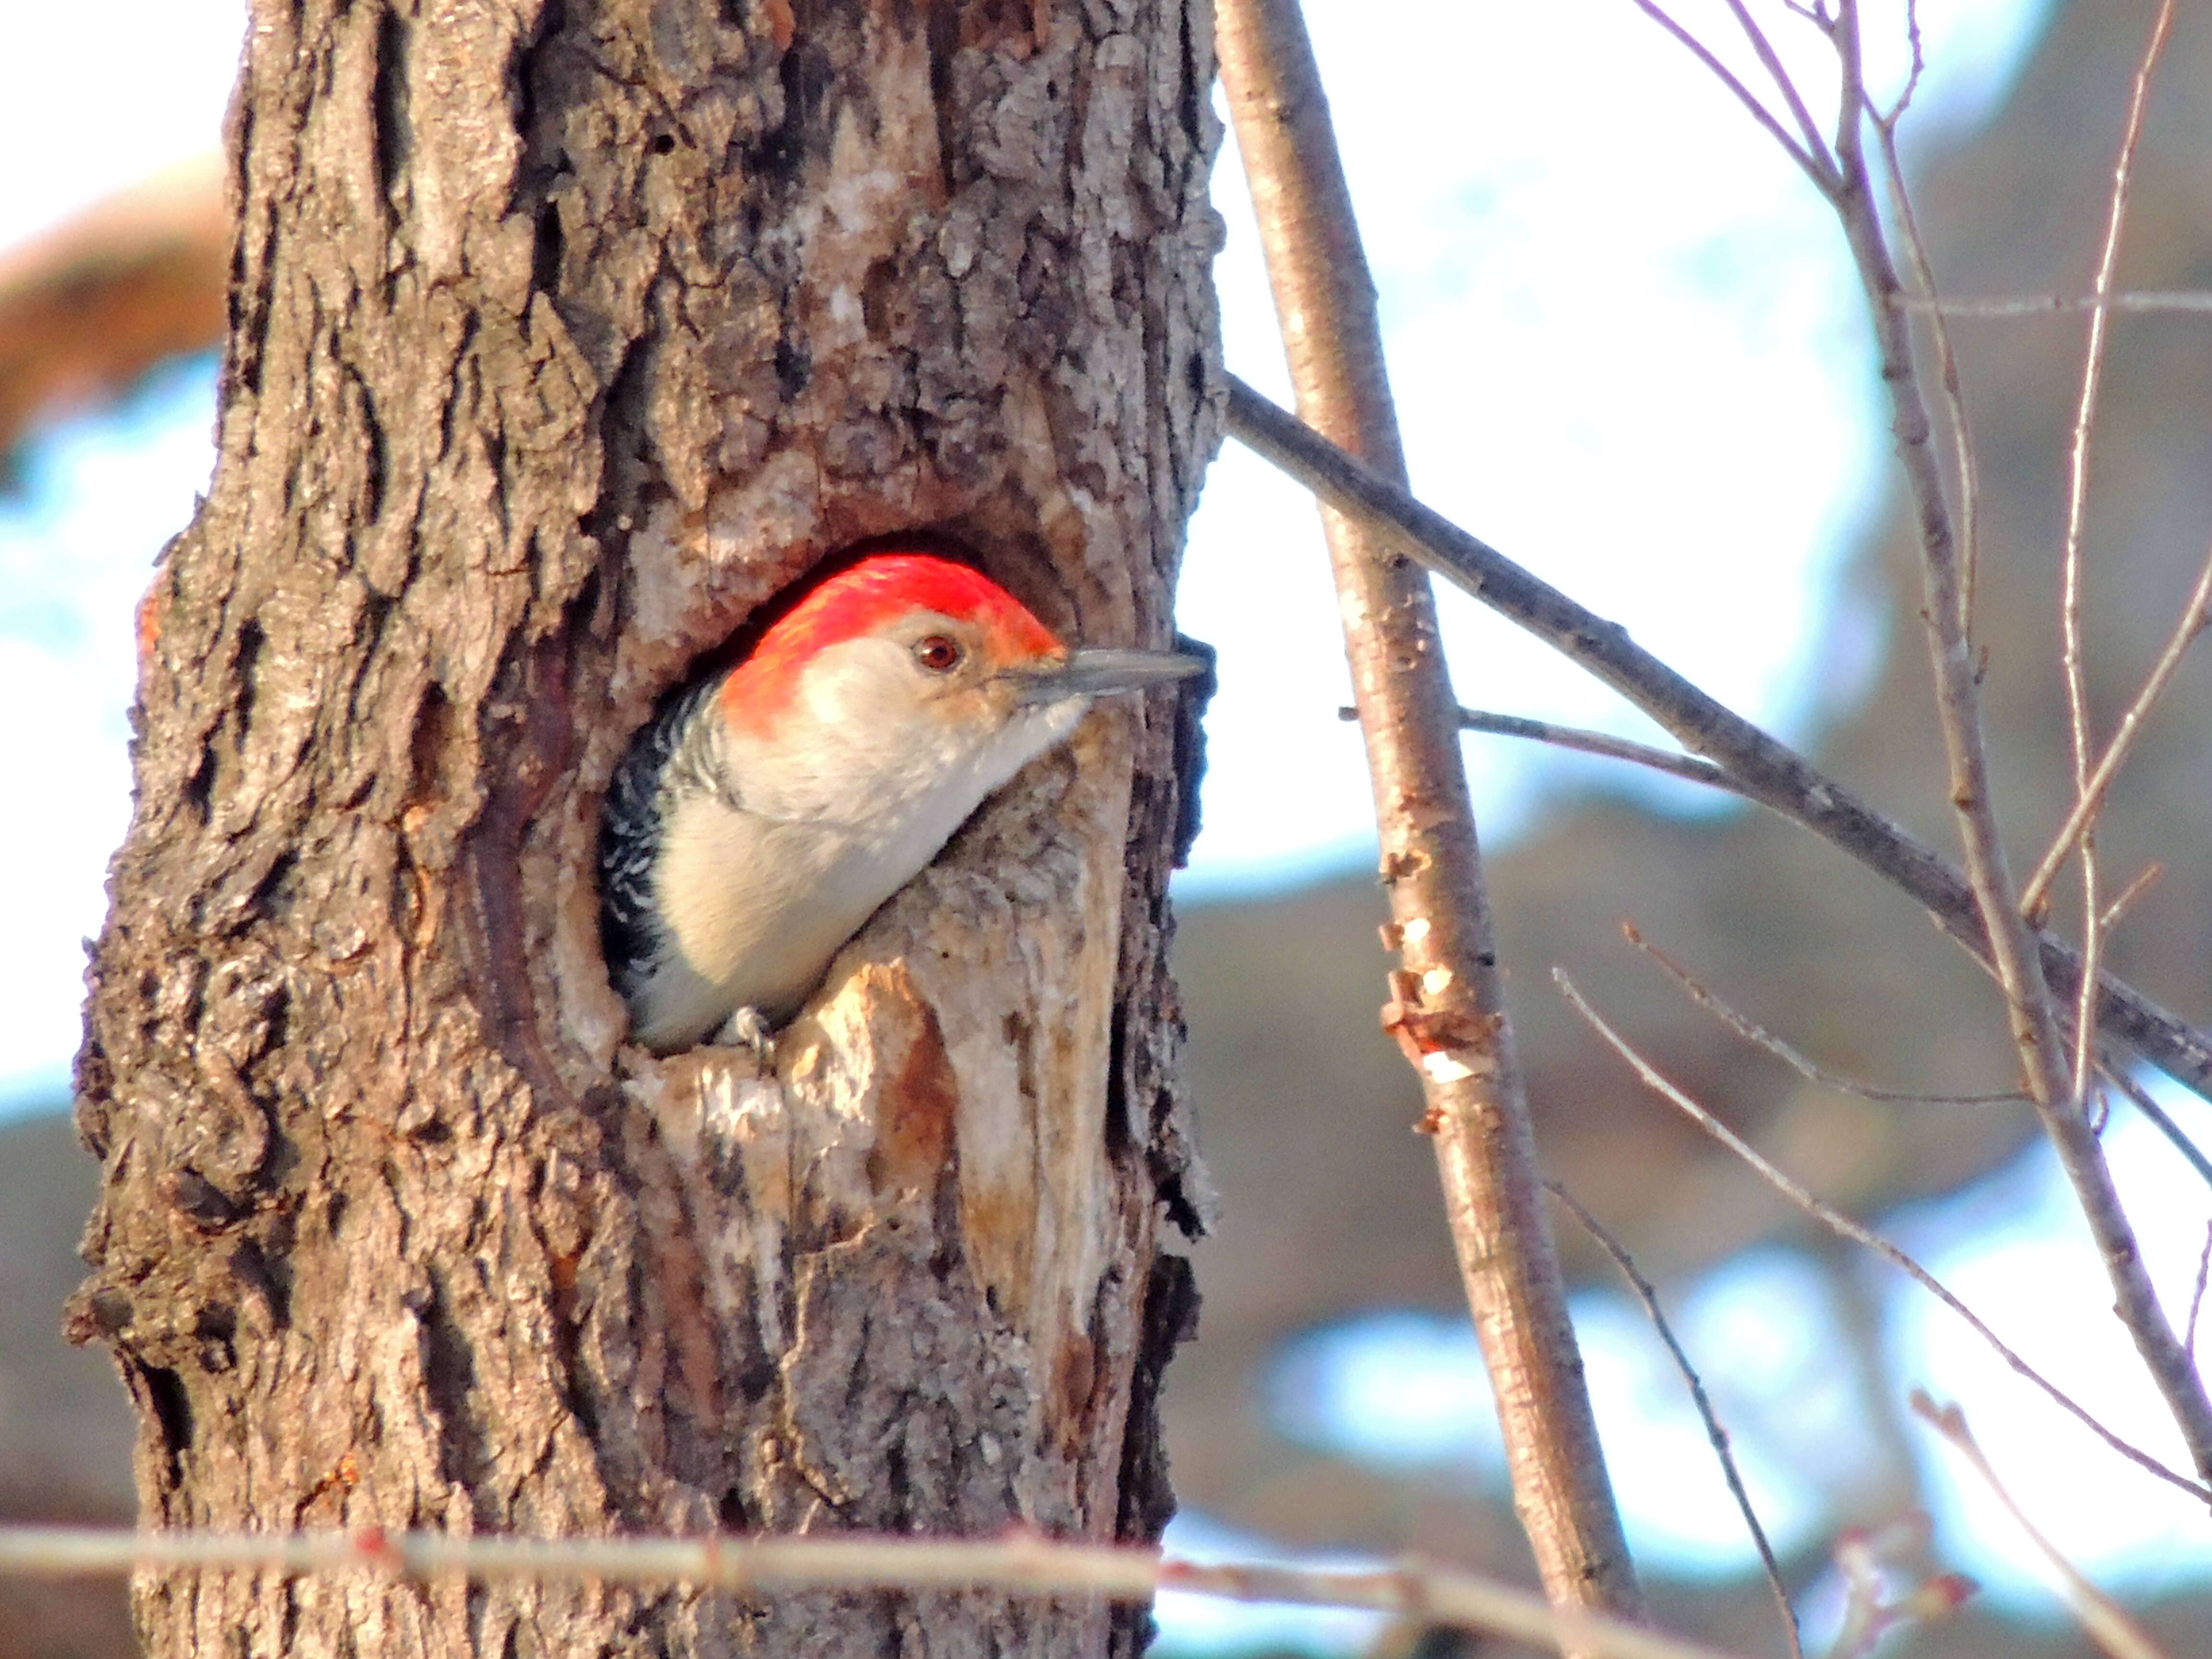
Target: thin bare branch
x,y
1814,163
2197,1292
2124,901
2194,616
1865,1557
2100,1616
1021,1565
1815,143
1758,1036
2072,658
1837,1222
1647,1294
1768,771
1689,768
1946,358
2182,301
2085,412
1887,120
1447,1009
2116,1077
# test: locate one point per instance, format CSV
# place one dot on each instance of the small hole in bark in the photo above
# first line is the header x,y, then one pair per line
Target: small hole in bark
x,y
173,1410
546,253
792,368
201,784
434,724
730,1512
394,124
807,75
877,293
731,13
449,1377
250,640
269,891
663,143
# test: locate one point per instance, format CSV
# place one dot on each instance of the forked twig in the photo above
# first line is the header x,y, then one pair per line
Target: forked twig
x,y
1815,162
1647,1294
1769,60
1837,1222
2107,1625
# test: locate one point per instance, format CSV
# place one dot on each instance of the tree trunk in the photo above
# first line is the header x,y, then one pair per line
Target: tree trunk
x,y
562,335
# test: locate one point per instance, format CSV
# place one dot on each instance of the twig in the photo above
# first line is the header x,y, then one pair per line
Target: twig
x,y
2116,1077
1862,1557
1766,770
1447,1005
1814,161
1842,1225
1769,61
1649,1295
2124,901
2178,301
1758,1036
2194,616
2197,1292
1019,1564
1886,120
2070,565
1581,741
1946,358
2107,1625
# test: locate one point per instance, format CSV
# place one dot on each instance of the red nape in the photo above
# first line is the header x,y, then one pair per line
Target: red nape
x,y
860,599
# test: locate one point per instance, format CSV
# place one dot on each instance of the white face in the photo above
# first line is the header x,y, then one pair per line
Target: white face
x,y
916,715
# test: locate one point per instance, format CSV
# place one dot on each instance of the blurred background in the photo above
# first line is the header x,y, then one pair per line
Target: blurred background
x,y
1628,352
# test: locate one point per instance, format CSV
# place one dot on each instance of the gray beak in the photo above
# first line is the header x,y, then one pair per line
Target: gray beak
x,y
1092,674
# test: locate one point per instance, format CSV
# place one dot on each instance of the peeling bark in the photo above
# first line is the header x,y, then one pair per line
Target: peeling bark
x,y
561,336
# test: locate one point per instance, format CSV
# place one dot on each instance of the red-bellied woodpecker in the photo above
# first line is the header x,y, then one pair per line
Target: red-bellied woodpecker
x,y
766,811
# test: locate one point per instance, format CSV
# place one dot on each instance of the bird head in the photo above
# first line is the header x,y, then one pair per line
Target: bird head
x,y
907,672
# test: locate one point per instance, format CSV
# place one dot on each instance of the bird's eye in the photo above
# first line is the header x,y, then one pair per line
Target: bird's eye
x,y
939,653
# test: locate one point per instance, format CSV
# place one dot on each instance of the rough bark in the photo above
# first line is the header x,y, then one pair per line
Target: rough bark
x,y
562,335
